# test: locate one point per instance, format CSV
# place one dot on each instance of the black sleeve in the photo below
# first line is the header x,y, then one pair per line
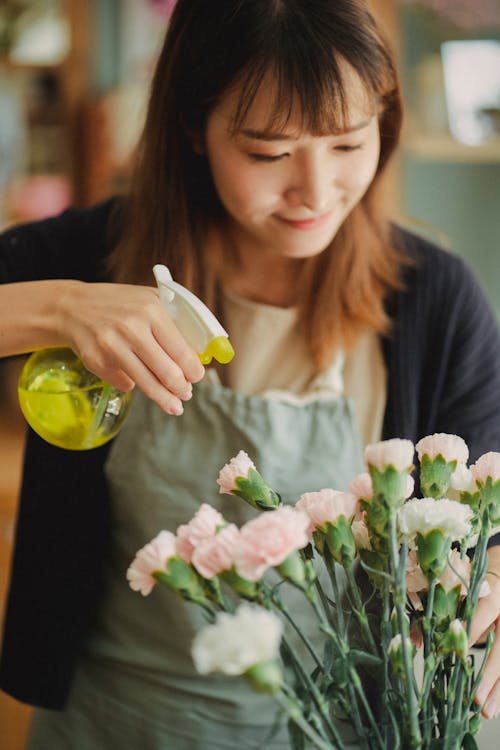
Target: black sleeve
x,y
72,245
470,402
443,359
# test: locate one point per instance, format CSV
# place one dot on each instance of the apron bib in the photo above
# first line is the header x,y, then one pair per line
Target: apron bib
x,y
136,687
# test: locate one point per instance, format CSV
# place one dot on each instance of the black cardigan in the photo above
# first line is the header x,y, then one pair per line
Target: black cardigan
x,y
443,365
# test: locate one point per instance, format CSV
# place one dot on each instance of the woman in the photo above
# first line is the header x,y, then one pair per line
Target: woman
x,y
257,181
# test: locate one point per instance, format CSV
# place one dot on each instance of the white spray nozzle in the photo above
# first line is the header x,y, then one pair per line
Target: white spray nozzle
x,y
195,321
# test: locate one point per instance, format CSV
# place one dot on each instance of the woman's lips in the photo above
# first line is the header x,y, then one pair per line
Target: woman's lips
x,y
313,223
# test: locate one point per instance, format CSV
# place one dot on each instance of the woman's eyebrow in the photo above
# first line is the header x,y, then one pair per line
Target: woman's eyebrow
x,y
269,135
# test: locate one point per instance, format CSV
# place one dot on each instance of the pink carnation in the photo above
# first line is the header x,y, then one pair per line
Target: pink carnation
x,y
361,486
216,553
266,541
152,557
488,465
397,453
203,525
326,506
416,580
239,466
450,447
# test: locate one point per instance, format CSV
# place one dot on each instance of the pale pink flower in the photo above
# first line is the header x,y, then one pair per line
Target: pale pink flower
x,y
152,557
325,506
361,535
362,486
216,553
416,580
396,453
488,465
239,466
450,447
204,524
266,541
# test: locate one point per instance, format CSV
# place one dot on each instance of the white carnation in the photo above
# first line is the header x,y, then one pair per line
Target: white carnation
x,y
422,515
235,642
462,479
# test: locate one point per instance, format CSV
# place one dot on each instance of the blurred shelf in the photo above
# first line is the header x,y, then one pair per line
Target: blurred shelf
x,y
444,148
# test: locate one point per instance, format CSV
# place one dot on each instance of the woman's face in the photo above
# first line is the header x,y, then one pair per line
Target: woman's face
x,y
287,193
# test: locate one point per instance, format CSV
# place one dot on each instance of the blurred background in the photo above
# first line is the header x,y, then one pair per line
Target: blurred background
x,y
74,78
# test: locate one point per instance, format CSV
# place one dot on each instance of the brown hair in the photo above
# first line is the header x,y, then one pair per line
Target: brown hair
x,y
211,46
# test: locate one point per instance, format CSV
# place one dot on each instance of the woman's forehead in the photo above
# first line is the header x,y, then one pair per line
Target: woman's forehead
x,y
270,110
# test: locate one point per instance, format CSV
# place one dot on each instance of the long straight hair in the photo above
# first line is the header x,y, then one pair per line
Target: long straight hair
x,y
211,47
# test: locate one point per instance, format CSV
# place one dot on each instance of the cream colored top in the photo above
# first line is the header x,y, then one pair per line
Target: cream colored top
x,y
272,360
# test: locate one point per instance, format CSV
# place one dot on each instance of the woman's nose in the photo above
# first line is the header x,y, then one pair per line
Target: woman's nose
x,y
311,185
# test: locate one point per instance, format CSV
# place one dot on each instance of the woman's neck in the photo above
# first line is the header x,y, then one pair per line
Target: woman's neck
x,y
261,276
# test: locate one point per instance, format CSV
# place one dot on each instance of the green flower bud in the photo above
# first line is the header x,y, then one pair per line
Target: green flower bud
x,y
256,492
292,568
489,494
396,655
435,475
454,641
182,578
432,552
390,484
246,589
340,541
265,676
445,603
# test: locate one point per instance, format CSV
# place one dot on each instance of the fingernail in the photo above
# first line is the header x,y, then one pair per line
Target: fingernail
x,y
481,695
186,394
491,709
176,410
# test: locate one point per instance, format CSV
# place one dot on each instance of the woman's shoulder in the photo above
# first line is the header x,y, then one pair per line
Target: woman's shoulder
x,y
72,244
432,269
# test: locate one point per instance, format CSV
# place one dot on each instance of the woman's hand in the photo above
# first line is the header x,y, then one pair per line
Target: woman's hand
x,y
124,335
487,617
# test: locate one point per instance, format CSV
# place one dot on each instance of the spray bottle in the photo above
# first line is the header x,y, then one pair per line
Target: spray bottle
x,y
72,408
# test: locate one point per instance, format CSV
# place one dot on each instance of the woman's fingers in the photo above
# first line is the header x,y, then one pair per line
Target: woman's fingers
x,y
488,694
128,338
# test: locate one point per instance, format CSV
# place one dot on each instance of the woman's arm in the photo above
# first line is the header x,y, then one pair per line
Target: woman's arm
x,y
488,616
121,332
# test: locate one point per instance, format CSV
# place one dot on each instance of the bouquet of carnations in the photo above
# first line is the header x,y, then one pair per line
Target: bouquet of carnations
x,y
388,579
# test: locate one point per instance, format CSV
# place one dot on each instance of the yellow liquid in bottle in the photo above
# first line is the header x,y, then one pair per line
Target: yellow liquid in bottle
x,y
66,405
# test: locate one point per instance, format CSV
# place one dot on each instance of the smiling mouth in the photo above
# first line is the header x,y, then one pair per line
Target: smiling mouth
x,y
305,224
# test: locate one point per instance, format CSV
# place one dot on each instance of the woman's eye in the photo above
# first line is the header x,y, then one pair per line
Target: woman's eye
x,y
349,147
267,157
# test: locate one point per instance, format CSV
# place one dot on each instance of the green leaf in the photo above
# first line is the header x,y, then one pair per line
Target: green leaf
x,y
364,658
469,743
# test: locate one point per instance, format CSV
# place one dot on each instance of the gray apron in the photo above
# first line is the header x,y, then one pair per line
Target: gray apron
x,y
136,687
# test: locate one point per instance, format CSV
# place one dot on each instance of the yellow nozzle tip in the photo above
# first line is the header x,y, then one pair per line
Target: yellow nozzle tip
x,y
220,349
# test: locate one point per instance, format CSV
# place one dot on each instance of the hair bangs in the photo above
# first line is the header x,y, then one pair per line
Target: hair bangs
x,y
315,93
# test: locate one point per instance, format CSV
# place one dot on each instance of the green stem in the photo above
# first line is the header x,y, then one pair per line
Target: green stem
x,y
305,640
319,700
411,706
294,712
332,572
359,611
